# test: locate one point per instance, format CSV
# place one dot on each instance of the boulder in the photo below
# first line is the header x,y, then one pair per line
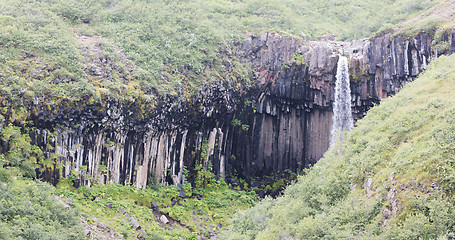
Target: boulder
x,y
121,210
154,205
164,219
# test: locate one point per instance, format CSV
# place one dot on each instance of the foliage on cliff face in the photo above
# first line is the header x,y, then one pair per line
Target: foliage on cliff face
x,y
393,177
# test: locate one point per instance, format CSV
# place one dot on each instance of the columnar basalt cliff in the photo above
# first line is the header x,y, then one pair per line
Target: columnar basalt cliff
x,y
282,122
294,109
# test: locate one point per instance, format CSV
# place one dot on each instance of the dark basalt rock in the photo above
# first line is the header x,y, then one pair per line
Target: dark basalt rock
x,y
154,205
181,191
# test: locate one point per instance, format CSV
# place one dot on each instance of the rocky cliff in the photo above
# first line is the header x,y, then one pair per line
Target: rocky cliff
x,y
281,122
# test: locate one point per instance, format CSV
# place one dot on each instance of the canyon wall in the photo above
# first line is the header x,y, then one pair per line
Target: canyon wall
x,y
281,122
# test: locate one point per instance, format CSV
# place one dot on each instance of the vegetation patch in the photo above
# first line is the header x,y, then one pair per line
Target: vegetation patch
x,y
197,212
29,211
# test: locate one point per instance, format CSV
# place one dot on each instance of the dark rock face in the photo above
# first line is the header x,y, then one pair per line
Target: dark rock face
x,y
282,122
293,117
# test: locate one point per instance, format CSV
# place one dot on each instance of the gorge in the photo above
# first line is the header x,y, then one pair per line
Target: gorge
x,y
282,121
227,119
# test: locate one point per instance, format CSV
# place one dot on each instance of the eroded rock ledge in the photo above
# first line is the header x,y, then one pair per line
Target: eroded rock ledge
x,y
282,122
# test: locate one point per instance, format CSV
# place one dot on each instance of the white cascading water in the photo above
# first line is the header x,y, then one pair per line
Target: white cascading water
x,y
342,115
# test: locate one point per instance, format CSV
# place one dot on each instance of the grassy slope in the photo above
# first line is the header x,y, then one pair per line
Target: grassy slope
x,y
440,15
163,39
405,145
28,211
189,217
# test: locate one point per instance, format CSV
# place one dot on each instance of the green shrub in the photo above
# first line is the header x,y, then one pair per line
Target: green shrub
x,y
5,175
21,154
28,211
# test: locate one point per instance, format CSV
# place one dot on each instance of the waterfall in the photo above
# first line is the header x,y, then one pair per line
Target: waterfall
x,y
342,115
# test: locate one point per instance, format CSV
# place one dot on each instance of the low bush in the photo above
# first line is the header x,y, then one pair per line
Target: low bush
x,y
28,211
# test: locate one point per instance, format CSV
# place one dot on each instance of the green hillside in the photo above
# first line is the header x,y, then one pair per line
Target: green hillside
x,y
393,177
56,50
40,211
